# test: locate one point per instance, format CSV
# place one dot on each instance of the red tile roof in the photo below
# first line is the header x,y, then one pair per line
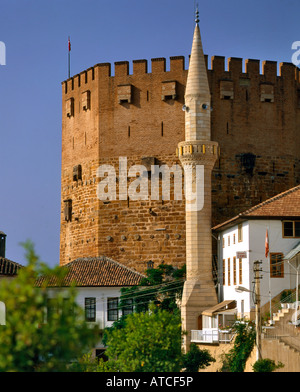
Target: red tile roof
x,y
8,267
95,272
284,205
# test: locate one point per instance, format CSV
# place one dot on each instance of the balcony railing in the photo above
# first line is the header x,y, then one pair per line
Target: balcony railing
x,y
212,336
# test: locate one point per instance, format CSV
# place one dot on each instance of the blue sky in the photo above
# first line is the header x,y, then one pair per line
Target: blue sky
x,y
35,33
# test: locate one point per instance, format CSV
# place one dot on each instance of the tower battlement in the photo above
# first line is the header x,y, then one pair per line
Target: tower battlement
x,y
235,67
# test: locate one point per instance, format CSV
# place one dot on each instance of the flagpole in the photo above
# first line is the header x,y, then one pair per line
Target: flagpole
x,y
69,50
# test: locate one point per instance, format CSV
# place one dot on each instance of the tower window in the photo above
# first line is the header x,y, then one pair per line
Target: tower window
x,y
68,210
77,173
226,89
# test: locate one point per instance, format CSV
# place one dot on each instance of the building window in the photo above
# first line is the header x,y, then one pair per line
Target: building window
x,y
228,272
234,238
223,272
240,232
240,271
291,228
112,309
234,271
229,240
223,242
90,309
127,307
276,265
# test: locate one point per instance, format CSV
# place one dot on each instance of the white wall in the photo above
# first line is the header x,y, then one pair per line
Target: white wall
x,y
277,244
101,294
254,233
228,252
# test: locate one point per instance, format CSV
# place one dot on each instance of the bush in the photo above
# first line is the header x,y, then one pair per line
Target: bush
x,y
197,359
266,365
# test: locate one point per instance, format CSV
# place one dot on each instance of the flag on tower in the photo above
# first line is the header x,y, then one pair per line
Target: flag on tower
x,y
267,244
69,62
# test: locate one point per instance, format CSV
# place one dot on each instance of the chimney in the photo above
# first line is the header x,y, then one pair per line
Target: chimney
x,y
2,244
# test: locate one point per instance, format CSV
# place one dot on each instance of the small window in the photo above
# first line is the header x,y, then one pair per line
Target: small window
x,y
112,309
229,240
223,272
276,265
266,92
124,93
90,309
240,271
234,271
70,107
68,210
127,307
240,232
223,242
226,89
291,229
233,238
228,271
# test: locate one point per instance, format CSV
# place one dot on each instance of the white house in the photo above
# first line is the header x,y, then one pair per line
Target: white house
x,y
242,241
98,284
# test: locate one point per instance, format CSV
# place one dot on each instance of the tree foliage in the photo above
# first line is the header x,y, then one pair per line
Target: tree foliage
x,y
266,365
235,360
196,359
162,286
30,341
149,342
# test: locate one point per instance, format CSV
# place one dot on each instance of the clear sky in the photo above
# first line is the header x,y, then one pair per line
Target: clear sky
x,y
35,34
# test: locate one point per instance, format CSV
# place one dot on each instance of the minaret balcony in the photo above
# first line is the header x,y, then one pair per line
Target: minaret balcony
x,y
198,152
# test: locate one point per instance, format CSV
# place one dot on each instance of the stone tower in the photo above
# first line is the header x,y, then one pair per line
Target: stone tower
x,y
198,155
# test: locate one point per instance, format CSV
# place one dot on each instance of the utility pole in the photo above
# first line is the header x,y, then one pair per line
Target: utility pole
x,y
257,269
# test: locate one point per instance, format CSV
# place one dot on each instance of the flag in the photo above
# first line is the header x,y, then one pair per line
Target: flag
x,y
267,244
69,44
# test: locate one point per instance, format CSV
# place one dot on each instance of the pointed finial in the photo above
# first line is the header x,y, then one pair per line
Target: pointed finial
x,y
197,15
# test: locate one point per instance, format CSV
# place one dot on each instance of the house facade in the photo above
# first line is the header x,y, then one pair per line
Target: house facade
x,y
264,233
98,283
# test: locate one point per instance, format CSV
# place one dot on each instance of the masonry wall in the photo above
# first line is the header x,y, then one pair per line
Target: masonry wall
x,y
255,118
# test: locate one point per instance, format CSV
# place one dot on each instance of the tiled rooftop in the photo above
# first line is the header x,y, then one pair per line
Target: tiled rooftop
x,y
8,267
283,205
93,272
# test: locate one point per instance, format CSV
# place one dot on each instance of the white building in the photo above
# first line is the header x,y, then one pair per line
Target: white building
x,y
241,242
98,283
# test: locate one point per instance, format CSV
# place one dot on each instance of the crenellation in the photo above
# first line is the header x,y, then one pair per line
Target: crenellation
x,y
121,68
269,70
288,71
252,67
218,64
235,66
158,65
140,67
103,69
177,63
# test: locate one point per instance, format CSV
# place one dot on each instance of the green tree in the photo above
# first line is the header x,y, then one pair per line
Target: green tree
x,y
196,359
266,365
149,342
31,342
162,286
235,360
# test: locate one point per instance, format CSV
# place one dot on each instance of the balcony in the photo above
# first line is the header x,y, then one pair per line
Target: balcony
x,y
212,336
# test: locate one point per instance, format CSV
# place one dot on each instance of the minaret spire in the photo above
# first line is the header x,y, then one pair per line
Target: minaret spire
x,y
197,155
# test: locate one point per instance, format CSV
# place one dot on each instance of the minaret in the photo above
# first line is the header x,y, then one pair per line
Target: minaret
x,y
199,154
